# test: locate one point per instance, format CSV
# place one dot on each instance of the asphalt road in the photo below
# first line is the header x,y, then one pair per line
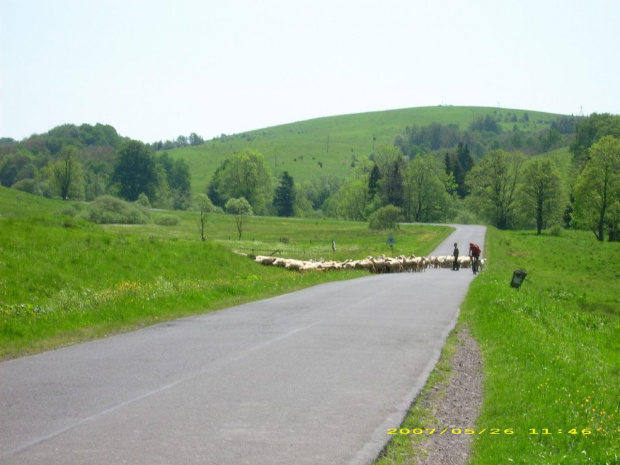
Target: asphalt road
x,y
312,377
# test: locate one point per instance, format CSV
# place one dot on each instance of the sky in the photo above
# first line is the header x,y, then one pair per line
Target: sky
x,y
157,69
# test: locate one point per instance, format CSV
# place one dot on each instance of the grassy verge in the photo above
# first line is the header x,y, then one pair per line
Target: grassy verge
x,y
64,280
551,353
551,349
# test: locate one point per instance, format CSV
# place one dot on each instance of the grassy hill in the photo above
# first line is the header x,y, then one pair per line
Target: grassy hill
x,y
330,145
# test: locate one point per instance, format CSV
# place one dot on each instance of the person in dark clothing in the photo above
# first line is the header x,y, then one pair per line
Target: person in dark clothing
x,y
455,254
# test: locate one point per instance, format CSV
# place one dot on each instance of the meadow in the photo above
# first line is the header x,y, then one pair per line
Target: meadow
x,y
331,145
551,353
64,280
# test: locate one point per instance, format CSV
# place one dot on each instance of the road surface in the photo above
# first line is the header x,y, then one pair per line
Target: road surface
x,y
312,377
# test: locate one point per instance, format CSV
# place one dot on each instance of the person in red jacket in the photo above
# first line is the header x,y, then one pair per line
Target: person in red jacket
x,y
474,253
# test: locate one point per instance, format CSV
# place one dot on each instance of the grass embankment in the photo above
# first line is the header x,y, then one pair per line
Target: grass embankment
x,y
551,353
64,280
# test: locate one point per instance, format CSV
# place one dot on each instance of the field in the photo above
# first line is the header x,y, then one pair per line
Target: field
x,y
551,353
330,145
64,280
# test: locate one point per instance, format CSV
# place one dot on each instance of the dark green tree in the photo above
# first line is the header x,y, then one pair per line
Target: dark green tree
x,y
447,161
590,130
464,156
135,171
215,190
195,139
373,181
284,198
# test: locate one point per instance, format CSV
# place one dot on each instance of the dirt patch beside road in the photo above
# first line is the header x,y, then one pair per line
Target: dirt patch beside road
x,y
456,404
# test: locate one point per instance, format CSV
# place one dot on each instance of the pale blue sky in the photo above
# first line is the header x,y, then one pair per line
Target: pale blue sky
x,y
155,69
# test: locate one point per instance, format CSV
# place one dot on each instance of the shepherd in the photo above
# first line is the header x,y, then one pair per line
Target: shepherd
x,y
455,264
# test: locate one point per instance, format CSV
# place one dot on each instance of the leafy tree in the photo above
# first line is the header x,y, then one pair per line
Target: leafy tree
x,y
240,208
67,174
195,139
135,171
216,185
589,130
324,187
8,172
205,206
354,198
284,199
16,167
597,190
426,188
247,175
541,192
493,185
182,141
549,139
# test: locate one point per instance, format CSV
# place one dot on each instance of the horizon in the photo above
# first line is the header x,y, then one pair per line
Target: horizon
x,y
301,121
158,69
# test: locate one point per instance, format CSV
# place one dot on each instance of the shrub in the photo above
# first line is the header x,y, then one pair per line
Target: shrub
x,y
111,210
25,185
143,201
71,210
167,221
556,230
385,218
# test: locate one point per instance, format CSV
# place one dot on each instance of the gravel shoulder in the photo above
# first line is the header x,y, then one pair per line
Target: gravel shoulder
x,y
455,403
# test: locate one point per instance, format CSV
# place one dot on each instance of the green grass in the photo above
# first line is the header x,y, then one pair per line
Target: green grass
x,y
64,280
299,147
295,237
14,203
551,352
551,349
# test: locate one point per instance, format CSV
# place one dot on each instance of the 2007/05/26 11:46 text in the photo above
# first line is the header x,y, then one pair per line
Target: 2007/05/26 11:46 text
x,y
456,431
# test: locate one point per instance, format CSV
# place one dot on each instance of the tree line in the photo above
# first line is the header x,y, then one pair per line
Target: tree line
x,y
420,178
85,162
504,187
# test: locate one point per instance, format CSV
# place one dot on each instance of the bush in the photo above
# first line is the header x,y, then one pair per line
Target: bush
x,y
167,221
385,218
556,230
143,201
71,210
110,210
25,185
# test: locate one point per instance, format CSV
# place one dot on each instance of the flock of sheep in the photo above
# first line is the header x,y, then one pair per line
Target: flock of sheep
x,y
381,264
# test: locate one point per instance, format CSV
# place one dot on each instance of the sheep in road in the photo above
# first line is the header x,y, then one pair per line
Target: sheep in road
x,y
380,264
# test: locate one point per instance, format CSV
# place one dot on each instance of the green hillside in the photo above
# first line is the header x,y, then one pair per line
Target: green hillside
x,y
15,203
330,145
